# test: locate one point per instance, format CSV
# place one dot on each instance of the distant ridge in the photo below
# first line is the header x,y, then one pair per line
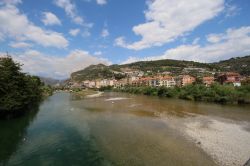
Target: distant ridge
x,y
175,67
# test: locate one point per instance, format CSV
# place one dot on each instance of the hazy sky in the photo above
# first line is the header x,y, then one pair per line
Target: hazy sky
x,y
56,37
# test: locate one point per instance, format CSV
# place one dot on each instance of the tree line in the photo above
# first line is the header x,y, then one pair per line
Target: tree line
x,y
18,90
197,92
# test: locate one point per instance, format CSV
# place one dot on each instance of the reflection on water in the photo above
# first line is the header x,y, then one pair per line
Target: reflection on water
x,y
13,133
114,129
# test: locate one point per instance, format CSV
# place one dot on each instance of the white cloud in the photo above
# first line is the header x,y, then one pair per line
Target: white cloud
x,y
74,32
120,41
231,10
20,45
86,33
71,10
97,53
166,20
232,43
16,25
196,41
215,38
101,2
37,63
105,33
10,2
1,37
50,19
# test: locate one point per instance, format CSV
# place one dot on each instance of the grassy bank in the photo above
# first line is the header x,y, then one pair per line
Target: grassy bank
x,y
216,93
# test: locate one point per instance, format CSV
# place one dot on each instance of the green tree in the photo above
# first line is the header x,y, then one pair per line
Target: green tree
x,y
17,90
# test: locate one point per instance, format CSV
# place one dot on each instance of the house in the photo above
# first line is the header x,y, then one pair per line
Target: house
x,y
111,82
92,84
131,79
230,78
192,69
97,83
167,81
208,81
184,80
104,82
154,81
86,83
120,83
142,81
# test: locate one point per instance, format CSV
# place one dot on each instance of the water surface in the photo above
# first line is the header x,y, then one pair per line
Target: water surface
x,y
114,129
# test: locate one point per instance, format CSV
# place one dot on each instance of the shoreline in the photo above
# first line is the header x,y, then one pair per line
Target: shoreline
x,y
246,102
227,143
98,94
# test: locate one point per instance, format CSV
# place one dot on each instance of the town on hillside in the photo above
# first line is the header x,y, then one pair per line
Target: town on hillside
x,y
138,78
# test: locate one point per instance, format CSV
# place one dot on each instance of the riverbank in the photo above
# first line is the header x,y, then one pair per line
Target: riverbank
x,y
86,93
225,94
226,142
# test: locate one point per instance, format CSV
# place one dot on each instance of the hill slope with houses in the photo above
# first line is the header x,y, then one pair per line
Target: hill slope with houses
x,y
239,65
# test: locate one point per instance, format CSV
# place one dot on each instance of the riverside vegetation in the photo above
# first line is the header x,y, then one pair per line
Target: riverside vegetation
x,y
18,91
227,94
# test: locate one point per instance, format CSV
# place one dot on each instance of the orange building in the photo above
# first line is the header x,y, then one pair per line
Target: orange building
x,y
208,80
184,80
230,77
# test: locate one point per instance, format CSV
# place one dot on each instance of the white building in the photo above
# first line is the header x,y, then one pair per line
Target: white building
x,y
167,81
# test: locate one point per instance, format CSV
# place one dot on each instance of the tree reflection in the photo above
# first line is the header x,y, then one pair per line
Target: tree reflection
x,y
13,132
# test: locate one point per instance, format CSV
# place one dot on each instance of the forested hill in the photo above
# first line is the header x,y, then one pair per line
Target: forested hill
x,y
100,71
239,64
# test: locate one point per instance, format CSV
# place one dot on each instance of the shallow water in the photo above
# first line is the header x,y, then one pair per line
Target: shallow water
x,y
114,129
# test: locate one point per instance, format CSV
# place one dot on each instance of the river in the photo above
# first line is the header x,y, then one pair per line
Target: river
x,y
124,129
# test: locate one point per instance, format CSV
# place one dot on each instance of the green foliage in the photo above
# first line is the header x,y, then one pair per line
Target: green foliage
x,y
239,64
119,76
105,88
197,92
92,72
17,90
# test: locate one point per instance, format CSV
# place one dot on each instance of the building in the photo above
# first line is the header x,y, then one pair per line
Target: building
x,y
230,78
111,82
120,83
92,84
184,80
154,81
132,79
97,83
208,81
86,83
167,81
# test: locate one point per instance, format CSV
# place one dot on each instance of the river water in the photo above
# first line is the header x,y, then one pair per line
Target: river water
x,y
124,129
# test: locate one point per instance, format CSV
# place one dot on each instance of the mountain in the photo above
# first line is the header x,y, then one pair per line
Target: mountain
x,y
175,67
92,72
51,81
238,64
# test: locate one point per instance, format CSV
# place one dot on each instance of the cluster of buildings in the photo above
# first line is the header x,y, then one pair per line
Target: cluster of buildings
x,y
161,80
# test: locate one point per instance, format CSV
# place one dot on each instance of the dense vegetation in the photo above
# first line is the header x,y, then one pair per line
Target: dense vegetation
x,y
240,65
197,92
92,72
176,67
18,90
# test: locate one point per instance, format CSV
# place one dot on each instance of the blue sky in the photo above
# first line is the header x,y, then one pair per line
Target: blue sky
x,y
56,37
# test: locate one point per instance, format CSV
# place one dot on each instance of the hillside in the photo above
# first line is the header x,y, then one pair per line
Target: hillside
x,y
92,72
51,81
175,67
240,65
